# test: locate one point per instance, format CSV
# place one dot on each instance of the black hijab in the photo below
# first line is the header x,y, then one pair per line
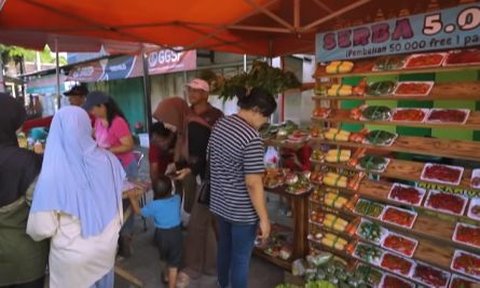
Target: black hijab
x,y
18,167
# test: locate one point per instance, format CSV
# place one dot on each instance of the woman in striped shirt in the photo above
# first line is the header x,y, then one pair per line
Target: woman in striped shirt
x,y
237,196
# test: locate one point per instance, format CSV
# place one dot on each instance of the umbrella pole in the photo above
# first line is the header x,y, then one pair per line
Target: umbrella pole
x,y
147,90
57,72
245,63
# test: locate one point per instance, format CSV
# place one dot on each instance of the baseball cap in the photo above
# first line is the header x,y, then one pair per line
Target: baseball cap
x,y
95,98
77,90
199,84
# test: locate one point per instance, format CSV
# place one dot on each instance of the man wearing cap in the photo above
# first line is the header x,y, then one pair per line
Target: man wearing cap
x,y
197,92
76,96
200,244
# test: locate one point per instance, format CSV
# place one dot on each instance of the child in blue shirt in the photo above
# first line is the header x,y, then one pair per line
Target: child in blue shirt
x,y
165,211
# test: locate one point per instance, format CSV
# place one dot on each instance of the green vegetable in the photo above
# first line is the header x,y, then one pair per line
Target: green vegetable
x,y
372,276
373,163
287,286
368,208
368,253
380,137
380,88
389,63
274,80
377,113
370,231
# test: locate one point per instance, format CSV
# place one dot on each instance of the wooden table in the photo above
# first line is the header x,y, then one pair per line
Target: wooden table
x,y
140,188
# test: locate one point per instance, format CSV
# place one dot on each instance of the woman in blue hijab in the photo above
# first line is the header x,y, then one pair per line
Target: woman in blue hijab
x,y
77,203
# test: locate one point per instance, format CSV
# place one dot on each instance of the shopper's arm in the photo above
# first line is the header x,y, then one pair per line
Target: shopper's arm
x,y
121,131
254,184
126,145
198,136
133,197
154,172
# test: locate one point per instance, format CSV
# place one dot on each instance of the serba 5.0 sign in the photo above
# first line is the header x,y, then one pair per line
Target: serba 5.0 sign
x,y
444,29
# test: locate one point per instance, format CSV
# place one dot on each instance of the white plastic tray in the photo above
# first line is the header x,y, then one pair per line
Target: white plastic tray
x,y
429,83
364,200
473,202
446,64
374,263
427,165
435,192
420,190
424,110
446,275
466,111
455,276
359,167
454,238
396,251
383,232
475,174
365,141
382,285
412,267
457,254
403,210
411,57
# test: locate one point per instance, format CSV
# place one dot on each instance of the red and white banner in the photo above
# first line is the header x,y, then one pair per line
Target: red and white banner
x,y
123,67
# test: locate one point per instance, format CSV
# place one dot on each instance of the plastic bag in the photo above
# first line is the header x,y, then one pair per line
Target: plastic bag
x,y
270,159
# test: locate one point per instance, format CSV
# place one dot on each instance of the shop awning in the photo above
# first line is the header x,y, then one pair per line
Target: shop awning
x,y
257,27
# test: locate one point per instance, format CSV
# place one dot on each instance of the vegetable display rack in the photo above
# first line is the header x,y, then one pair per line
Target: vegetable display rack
x,y
298,233
419,221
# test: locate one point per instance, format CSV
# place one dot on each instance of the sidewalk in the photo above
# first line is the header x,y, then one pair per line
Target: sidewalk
x,y
145,265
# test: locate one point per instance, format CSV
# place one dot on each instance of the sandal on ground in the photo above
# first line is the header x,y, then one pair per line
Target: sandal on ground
x,y
183,280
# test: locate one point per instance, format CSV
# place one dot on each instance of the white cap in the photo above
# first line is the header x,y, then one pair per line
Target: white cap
x,y
199,84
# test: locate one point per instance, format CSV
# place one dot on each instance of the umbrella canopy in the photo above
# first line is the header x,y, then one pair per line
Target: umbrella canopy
x,y
257,27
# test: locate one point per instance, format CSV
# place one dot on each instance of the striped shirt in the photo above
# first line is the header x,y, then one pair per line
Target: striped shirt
x,y
236,150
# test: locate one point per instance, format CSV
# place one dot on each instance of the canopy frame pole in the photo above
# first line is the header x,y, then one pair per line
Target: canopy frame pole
x,y
323,6
245,63
223,27
335,14
147,89
226,42
296,14
270,14
259,28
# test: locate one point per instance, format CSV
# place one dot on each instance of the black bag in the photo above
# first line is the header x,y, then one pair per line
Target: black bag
x,y
204,192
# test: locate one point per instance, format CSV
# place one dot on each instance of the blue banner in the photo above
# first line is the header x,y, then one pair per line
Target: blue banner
x,y
444,29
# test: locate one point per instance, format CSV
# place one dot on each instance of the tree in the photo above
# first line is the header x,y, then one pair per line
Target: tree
x,y
19,55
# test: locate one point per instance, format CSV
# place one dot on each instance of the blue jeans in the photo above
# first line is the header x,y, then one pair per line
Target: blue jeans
x,y
106,281
132,172
235,246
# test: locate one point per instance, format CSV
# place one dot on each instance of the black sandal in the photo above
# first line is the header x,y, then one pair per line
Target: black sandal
x,y
164,278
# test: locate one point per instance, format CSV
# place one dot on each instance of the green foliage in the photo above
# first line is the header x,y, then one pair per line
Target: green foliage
x,y
262,75
19,54
12,53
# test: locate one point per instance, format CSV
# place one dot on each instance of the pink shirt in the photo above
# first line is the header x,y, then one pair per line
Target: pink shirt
x,y
110,137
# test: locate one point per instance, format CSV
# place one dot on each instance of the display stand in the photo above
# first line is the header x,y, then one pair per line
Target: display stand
x,y
299,230
433,229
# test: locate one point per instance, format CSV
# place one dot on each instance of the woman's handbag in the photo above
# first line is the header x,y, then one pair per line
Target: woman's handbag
x,y
204,193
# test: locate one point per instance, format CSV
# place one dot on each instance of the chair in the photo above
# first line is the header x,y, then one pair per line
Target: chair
x,y
143,200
